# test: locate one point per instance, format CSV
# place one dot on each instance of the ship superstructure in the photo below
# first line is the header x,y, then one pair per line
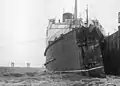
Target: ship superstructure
x,y
73,44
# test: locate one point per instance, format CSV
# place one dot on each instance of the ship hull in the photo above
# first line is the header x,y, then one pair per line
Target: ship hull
x,y
111,55
64,54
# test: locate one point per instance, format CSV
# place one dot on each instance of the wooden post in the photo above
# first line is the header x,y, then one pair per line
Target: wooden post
x,y
12,64
28,64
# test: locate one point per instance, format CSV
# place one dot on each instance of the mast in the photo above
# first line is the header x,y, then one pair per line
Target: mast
x,y
63,10
87,15
75,10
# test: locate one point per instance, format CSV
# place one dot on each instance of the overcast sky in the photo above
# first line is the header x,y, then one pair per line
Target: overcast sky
x,y
23,24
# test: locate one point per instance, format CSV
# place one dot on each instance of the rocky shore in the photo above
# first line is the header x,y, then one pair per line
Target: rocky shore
x,y
41,78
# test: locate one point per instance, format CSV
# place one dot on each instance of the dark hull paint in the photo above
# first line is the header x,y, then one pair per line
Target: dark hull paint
x,y
111,56
66,54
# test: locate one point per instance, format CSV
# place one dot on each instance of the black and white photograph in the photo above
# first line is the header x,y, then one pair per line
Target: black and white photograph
x,y
59,43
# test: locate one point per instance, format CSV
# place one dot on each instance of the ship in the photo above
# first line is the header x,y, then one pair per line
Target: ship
x,y
73,44
111,52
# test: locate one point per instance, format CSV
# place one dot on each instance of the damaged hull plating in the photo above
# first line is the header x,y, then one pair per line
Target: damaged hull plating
x,y
69,52
73,44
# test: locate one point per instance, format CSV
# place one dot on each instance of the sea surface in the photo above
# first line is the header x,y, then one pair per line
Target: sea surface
x,y
38,77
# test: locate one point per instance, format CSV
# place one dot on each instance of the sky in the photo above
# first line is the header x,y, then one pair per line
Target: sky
x,y
23,25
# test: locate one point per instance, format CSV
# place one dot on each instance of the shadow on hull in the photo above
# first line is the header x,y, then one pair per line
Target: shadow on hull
x,y
111,61
111,55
